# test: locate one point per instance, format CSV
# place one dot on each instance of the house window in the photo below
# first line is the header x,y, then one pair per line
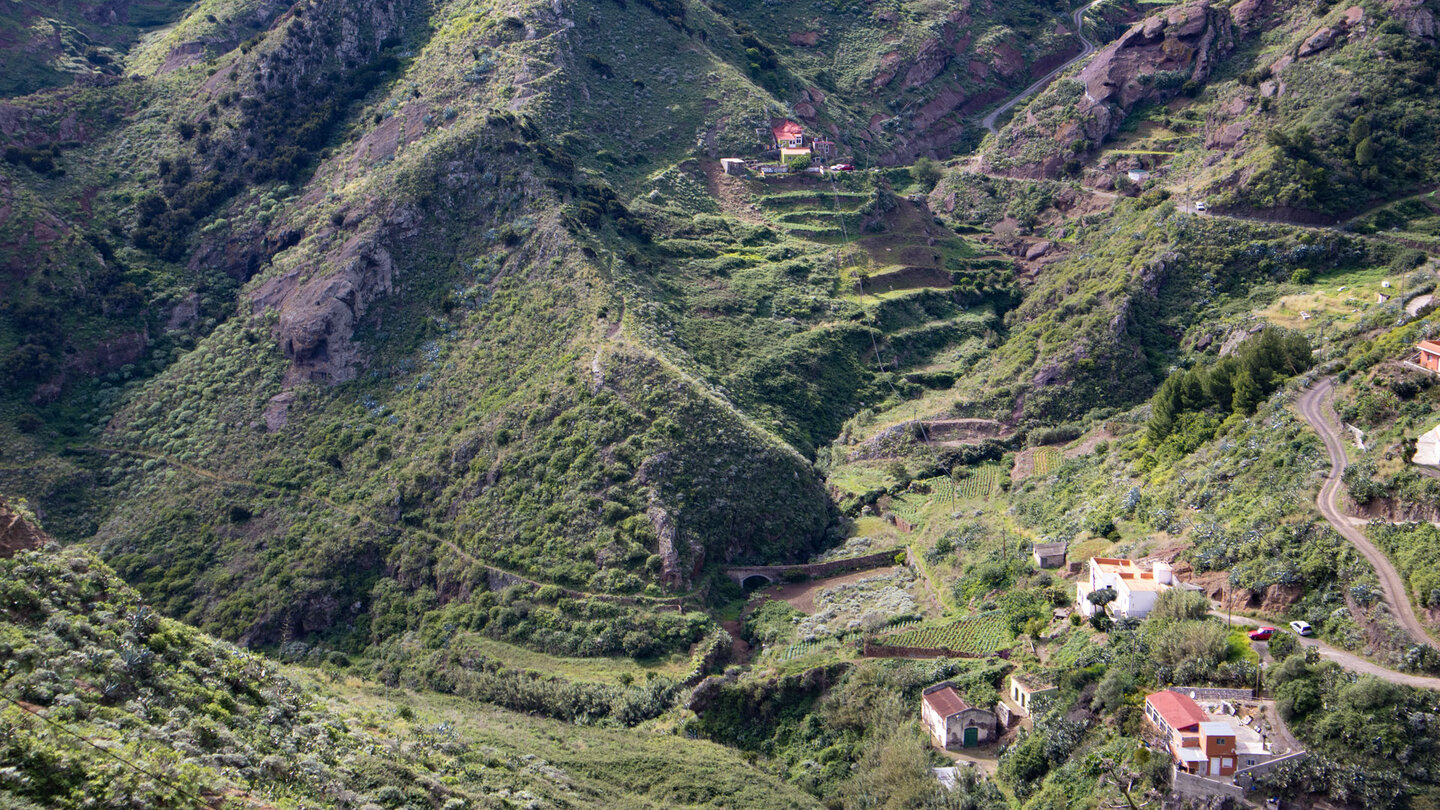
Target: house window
x,y
1219,740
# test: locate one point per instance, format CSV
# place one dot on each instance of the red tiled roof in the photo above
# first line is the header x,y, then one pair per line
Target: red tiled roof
x,y
1178,711
786,130
946,701
1430,346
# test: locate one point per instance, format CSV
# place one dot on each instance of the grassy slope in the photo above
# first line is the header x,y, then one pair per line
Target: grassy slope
x,y
210,719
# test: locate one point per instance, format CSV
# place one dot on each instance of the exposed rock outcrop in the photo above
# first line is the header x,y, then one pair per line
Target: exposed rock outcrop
x,y
319,310
1149,62
17,533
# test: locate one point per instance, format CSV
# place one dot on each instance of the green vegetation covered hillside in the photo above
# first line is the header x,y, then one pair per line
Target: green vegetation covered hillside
x,y
430,411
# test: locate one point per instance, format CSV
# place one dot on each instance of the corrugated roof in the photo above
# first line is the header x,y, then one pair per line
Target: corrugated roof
x,y
946,701
1178,711
1217,728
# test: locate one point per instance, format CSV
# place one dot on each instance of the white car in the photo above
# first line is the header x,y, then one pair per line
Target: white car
x,y
1200,207
1302,628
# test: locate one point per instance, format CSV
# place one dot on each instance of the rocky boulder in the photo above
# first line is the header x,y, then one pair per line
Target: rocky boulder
x,y
1171,43
1419,21
1316,42
17,533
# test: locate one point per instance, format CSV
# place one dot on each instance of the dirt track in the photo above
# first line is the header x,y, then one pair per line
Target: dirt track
x,y
1315,408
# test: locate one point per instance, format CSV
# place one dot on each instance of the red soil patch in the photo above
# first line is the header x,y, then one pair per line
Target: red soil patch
x,y
801,595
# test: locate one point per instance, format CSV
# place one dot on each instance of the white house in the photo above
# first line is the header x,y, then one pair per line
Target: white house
x,y
1427,448
1135,589
952,722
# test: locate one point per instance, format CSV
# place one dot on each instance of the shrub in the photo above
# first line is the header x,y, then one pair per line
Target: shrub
x,y
927,172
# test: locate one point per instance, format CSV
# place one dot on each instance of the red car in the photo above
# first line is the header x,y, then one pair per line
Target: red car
x,y
1262,633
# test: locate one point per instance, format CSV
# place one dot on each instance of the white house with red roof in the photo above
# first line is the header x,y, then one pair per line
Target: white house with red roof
x,y
953,722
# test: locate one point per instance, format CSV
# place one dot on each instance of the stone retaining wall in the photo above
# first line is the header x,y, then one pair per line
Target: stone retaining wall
x,y
878,559
1198,787
1245,777
1213,693
873,650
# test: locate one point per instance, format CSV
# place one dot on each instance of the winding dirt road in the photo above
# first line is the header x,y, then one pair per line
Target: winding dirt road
x,y
1088,48
1315,407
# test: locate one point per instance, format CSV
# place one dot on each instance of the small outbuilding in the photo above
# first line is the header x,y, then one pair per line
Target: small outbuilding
x,y
1428,355
1049,555
951,721
1024,690
1138,175
732,165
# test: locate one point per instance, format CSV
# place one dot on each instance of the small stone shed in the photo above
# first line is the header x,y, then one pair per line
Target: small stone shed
x,y
1049,555
952,722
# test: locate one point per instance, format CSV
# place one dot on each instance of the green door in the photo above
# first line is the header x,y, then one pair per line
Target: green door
x,y
972,737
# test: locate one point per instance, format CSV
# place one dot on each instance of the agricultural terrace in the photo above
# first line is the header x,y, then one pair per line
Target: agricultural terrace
x,y
983,634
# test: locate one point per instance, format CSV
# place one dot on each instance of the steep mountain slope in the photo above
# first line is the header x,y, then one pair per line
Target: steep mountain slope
x,y
442,229
119,706
1257,106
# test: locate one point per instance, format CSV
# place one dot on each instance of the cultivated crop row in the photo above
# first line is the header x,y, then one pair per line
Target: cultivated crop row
x,y
981,634
1047,460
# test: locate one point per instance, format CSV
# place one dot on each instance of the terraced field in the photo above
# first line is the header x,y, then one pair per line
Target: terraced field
x,y
981,634
1047,460
983,483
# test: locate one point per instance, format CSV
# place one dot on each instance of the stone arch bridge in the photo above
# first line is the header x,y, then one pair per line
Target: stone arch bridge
x,y
756,576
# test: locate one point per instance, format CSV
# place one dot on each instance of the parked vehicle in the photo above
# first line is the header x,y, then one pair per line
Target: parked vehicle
x,y
842,167
1302,628
1200,207
1262,633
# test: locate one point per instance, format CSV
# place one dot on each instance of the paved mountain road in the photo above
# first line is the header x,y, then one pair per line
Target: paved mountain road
x,y
1315,408
1348,660
1087,48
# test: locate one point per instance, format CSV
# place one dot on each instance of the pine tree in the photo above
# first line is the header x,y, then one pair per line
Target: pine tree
x,y
1365,152
1248,393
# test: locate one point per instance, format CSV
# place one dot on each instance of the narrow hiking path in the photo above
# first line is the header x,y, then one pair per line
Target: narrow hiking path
x,y
1345,659
1314,406
1087,48
307,494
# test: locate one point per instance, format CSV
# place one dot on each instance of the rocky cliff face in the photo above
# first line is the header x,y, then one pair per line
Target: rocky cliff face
x,y
1152,61
959,79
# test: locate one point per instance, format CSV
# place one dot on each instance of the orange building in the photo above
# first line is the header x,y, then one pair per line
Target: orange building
x,y
1429,355
1199,745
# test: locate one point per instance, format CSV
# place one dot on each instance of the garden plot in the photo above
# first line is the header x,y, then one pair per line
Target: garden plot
x,y
981,634
868,603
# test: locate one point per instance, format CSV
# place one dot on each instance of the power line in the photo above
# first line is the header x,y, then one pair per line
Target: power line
x,y
870,317
199,801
